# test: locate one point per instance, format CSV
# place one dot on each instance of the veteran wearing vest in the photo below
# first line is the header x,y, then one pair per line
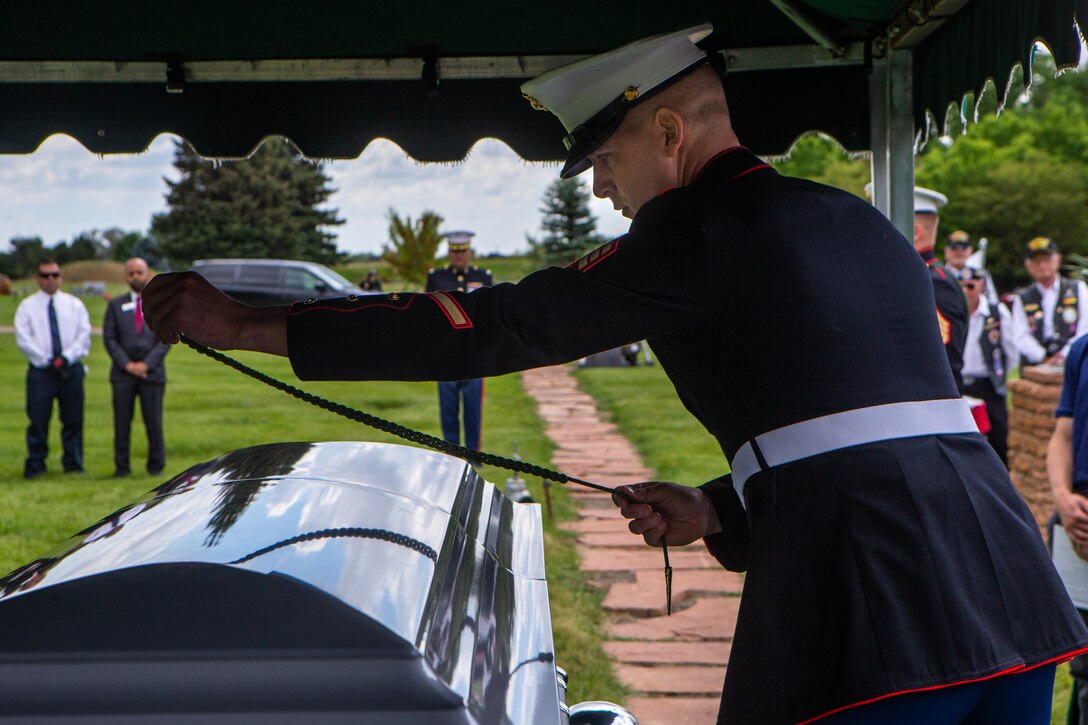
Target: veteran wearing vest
x,y
987,356
1049,314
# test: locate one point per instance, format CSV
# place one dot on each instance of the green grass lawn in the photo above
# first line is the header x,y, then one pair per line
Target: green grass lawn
x,y
643,404
211,409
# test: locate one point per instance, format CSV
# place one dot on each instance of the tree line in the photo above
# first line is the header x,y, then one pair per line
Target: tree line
x,y
116,244
1010,178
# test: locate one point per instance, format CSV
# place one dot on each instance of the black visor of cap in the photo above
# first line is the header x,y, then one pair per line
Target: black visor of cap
x,y
586,137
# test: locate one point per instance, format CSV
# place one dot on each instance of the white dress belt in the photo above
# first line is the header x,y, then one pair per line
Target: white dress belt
x,y
851,428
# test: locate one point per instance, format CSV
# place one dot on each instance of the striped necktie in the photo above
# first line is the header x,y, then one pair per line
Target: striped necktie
x,y
54,331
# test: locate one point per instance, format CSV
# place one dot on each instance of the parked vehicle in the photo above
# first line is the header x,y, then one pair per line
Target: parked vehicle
x,y
295,582
267,282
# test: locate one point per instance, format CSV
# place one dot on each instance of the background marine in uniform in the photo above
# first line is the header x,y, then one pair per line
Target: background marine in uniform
x,y
460,399
951,305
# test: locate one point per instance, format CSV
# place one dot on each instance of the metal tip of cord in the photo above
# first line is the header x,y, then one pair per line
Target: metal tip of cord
x,y
668,578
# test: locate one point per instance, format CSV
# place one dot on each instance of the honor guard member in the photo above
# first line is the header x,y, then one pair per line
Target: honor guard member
x,y
460,396
987,356
891,564
951,306
956,251
1049,314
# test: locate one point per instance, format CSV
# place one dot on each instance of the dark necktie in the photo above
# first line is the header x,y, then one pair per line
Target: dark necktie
x,y
54,330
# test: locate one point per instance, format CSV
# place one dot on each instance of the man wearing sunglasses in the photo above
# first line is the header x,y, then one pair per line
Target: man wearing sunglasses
x,y
987,356
53,330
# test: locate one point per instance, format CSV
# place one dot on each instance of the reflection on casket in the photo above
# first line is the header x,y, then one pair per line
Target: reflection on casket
x,y
368,582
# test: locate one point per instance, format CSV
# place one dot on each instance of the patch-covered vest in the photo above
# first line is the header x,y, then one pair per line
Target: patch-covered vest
x,y
1066,314
992,351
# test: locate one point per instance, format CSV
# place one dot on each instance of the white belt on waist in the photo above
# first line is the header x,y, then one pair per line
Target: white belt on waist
x,y
851,428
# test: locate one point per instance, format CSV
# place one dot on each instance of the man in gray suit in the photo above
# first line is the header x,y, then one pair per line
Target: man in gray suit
x,y
137,370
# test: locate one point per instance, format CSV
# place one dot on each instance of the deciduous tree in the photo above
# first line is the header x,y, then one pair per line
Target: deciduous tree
x,y
413,245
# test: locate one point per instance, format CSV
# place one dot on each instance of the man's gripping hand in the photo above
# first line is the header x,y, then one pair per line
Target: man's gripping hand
x,y
679,514
185,303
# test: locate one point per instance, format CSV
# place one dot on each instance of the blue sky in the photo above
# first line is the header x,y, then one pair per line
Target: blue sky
x,y
62,189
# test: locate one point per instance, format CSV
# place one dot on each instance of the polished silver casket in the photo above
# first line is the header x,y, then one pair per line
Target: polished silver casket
x,y
330,582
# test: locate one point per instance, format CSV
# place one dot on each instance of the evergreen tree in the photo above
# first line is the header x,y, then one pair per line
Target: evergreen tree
x,y
413,245
265,206
570,229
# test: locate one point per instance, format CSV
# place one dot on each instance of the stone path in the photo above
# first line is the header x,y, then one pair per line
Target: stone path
x,y
673,664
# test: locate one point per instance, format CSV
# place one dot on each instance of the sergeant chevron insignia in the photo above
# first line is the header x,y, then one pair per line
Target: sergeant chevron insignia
x,y
584,263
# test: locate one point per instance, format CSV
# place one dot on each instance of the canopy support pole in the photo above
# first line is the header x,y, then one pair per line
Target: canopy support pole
x,y
891,124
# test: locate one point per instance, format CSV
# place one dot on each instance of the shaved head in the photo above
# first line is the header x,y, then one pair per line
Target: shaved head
x,y
137,274
699,99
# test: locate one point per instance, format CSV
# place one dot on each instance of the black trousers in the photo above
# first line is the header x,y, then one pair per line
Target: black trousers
x,y
43,386
997,409
125,392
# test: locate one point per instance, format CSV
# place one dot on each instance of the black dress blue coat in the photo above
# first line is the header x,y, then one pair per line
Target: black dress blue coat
x,y
873,570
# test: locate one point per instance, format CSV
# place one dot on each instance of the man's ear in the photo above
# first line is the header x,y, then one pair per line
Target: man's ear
x,y
670,126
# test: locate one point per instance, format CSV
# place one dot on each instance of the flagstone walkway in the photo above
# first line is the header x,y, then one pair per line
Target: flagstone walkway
x,y
675,664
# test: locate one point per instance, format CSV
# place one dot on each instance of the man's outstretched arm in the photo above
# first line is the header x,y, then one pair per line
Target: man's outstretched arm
x,y
185,303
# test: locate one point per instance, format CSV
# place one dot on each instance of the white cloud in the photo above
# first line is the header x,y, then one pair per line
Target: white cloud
x,y
63,189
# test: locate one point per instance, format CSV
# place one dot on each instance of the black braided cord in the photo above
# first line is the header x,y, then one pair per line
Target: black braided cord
x,y
415,436
381,424
353,532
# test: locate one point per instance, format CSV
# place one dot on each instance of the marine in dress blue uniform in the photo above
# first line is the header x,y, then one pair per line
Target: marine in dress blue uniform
x,y
459,399
951,305
887,552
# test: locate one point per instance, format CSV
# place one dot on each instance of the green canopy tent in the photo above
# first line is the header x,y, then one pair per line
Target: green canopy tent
x,y
435,77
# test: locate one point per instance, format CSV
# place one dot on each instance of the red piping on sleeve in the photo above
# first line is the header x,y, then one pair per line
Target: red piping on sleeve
x,y
313,308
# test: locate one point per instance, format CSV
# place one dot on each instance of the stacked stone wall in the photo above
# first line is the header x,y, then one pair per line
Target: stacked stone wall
x,y
1031,423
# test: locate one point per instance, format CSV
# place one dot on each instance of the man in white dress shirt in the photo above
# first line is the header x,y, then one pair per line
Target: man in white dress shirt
x,y
1050,314
53,330
988,355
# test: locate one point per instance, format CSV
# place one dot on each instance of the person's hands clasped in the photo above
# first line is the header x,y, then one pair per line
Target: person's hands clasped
x,y
137,368
1073,511
682,513
184,303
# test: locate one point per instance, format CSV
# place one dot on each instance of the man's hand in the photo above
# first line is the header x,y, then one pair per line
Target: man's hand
x,y
137,368
1055,359
1073,511
679,513
185,303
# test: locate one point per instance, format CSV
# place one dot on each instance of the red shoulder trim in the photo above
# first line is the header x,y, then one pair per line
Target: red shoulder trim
x,y
748,171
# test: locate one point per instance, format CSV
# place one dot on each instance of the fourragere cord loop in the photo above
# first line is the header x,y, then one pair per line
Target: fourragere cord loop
x,y
424,439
